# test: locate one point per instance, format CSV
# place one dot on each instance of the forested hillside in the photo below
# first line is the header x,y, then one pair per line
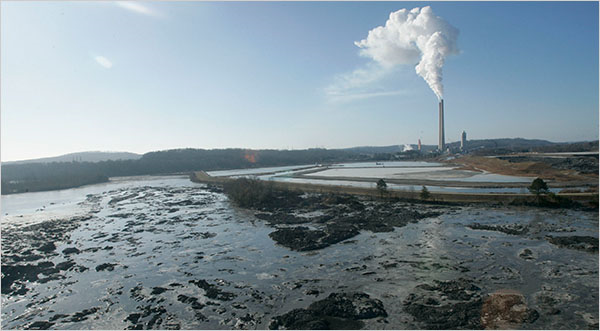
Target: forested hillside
x,y
31,177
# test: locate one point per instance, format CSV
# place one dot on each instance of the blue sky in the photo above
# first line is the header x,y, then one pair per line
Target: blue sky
x,y
158,75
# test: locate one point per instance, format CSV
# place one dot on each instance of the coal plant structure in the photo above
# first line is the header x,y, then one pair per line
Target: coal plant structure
x,y
441,142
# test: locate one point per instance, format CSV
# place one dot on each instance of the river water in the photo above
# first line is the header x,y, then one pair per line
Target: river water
x,y
163,252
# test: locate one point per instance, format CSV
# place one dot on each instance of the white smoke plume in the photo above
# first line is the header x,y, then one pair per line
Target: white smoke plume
x,y
407,147
413,36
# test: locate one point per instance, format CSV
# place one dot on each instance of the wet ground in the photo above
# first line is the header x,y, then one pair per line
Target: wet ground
x,y
171,254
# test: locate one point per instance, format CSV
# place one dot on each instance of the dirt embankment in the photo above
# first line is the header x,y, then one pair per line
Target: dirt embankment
x,y
528,168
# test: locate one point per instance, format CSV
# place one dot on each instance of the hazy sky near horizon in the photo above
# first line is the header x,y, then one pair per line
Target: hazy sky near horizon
x,y
144,76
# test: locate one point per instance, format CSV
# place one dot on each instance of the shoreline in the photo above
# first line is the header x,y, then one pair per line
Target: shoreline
x,y
460,197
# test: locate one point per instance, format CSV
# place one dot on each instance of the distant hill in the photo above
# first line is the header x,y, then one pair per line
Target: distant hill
x,y
503,143
512,145
82,157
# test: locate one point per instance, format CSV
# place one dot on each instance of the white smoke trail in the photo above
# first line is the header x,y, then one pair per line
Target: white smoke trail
x,y
407,147
413,36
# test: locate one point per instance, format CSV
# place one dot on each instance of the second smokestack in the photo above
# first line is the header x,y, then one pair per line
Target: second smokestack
x,y
441,142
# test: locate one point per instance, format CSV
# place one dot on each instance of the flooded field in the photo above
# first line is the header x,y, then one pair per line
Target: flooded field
x,y
165,253
414,170
379,172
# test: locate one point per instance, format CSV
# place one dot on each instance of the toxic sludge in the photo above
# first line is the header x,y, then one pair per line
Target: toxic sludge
x,y
165,253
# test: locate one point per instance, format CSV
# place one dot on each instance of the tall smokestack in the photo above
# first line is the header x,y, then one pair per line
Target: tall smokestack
x,y
441,143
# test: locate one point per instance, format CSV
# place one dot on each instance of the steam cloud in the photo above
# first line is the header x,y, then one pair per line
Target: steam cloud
x,y
413,36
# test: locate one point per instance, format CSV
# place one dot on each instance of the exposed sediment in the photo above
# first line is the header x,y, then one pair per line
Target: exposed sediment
x,y
336,312
340,217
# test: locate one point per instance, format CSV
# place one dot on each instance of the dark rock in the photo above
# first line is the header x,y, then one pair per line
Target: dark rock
x,y
70,250
66,265
40,325
582,243
238,305
460,289
133,318
136,293
341,199
83,315
154,312
513,229
204,235
461,315
212,291
281,218
337,311
122,198
526,254
123,215
463,312
301,319
47,247
190,300
13,276
350,305
158,290
303,239
106,266
57,317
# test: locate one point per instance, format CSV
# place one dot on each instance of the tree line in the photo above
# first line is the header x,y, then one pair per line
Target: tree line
x,y
30,177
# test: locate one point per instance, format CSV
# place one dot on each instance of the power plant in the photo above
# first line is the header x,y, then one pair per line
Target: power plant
x,y
441,143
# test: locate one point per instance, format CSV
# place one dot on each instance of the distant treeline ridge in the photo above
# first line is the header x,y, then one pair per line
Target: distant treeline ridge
x,y
29,177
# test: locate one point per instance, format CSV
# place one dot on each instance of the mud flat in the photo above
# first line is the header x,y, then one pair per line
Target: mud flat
x,y
171,254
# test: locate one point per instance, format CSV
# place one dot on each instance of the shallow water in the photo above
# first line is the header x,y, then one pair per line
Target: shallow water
x,y
387,164
166,232
387,172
